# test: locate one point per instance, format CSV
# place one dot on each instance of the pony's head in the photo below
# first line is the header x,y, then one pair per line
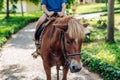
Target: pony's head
x,y
72,34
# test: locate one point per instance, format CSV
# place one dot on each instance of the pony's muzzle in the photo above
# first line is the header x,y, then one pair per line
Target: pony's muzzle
x,y
75,67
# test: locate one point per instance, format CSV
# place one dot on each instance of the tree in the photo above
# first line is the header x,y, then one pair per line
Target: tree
x,y
110,26
118,1
36,2
1,4
7,9
13,1
69,3
106,2
21,8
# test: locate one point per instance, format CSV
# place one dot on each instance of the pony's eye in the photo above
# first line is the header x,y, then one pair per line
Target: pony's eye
x,y
69,41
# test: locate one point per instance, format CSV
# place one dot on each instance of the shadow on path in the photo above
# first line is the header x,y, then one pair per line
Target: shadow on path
x,y
11,73
23,39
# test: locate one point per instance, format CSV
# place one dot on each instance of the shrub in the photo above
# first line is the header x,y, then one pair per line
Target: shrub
x,y
101,24
13,25
101,1
107,71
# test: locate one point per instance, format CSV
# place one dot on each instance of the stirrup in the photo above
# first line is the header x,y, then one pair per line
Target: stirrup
x,y
35,54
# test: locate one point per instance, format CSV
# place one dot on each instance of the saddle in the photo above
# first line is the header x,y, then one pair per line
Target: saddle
x,y
40,29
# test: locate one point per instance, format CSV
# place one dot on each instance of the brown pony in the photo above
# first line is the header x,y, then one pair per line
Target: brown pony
x,y
61,45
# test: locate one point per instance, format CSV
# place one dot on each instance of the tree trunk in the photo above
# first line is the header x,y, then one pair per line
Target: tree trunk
x,y
7,9
110,26
21,8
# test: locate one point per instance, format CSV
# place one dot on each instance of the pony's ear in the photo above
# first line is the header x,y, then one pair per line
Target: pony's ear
x,y
61,26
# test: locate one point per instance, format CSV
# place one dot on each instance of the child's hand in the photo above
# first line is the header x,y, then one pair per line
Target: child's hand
x,y
50,13
60,14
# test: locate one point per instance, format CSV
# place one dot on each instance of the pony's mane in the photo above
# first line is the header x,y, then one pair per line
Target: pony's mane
x,y
75,29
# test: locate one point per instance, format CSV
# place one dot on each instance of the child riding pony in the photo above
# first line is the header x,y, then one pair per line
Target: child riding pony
x,y
61,45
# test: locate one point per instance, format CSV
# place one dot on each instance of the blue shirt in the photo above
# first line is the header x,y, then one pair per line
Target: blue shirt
x,y
53,5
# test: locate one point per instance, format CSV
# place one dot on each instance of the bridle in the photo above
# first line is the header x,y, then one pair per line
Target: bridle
x,y
66,56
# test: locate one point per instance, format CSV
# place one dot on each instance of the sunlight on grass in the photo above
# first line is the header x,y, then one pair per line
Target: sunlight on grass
x,y
91,8
117,19
28,14
106,52
2,16
87,8
98,36
34,14
106,56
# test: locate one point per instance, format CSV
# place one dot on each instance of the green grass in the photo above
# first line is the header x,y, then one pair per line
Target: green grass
x,y
117,19
99,56
106,52
92,8
30,14
98,48
106,70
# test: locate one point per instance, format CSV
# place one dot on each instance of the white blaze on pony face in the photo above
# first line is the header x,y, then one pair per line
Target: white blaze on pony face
x,y
76,40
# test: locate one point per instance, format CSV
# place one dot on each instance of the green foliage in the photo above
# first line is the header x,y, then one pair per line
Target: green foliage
x,y
101,1
69,3
36,2
1,4
118,1
2,40
12,25
13,1
93,8
107,71
99,26
106,52
101,50
102,24
101,57
13,9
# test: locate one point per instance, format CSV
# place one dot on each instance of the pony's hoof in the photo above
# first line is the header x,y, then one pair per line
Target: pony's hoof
x,y
35,55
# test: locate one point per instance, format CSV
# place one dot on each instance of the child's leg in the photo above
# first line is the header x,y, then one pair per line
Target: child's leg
x,y
41,20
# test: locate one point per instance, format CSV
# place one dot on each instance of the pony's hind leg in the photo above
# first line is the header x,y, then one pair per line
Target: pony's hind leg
x,y
47,70
65,71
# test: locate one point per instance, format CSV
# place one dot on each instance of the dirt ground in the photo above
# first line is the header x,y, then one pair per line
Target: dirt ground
x,y
16,62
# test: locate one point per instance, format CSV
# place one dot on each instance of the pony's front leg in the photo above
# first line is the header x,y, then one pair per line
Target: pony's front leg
x,y
47,70
65,71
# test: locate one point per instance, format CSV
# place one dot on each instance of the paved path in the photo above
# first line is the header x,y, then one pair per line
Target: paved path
x,y
16,62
